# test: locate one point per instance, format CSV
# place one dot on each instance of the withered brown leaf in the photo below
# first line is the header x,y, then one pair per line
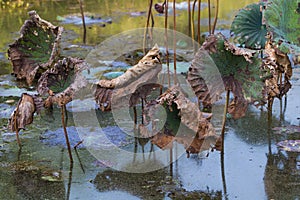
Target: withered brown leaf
x,y
36,49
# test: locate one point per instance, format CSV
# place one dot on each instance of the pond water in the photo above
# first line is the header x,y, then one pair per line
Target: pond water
x,y
252,167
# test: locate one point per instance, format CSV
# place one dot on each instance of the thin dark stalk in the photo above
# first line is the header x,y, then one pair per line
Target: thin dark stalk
x,y
281,117
18,138
216,17
174,41
189,18
79,160
19,154
223,176
17,129
135,149
134,115
270,103
199,17
209,17
69,181
166,42
83,21
152,26
142,110
147,25
193,23
79,143
224,119
171,161
285,103
65,132
269,131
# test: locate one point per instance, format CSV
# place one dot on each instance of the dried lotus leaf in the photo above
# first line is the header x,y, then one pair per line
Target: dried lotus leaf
x,y
136,82
36,49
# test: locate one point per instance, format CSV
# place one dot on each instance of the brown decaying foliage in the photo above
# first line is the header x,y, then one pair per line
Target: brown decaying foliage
x,y
24,66
136,82
23,113
278,64
62,71
204,137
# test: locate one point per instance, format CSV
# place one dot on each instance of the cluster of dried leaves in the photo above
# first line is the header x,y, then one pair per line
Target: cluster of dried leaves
x,y
279,66
242,73
35,55
200,134
218,65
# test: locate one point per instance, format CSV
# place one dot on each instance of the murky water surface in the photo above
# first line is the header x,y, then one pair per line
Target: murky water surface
x,y
252,167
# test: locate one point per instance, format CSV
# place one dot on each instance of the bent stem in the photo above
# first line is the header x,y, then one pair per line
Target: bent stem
x,y
224,120
63,108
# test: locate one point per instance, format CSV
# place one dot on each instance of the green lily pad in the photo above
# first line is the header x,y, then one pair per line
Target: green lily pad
x,y
248,28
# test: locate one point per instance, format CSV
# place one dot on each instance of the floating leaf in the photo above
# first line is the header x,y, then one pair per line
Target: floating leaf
x,y
62,81
248,27
287,129
290,145
37,48
136,81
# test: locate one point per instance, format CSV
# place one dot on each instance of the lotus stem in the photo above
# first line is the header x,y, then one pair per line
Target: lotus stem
x,y
216,17
63,108
193,24
166,41
70,181
199,17
224,119
18,138
223,175
209,16
189,18
147,26
17,129
142,110
174,41
83,21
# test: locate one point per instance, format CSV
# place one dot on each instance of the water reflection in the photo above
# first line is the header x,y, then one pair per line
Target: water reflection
x,y
152,185
282,175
